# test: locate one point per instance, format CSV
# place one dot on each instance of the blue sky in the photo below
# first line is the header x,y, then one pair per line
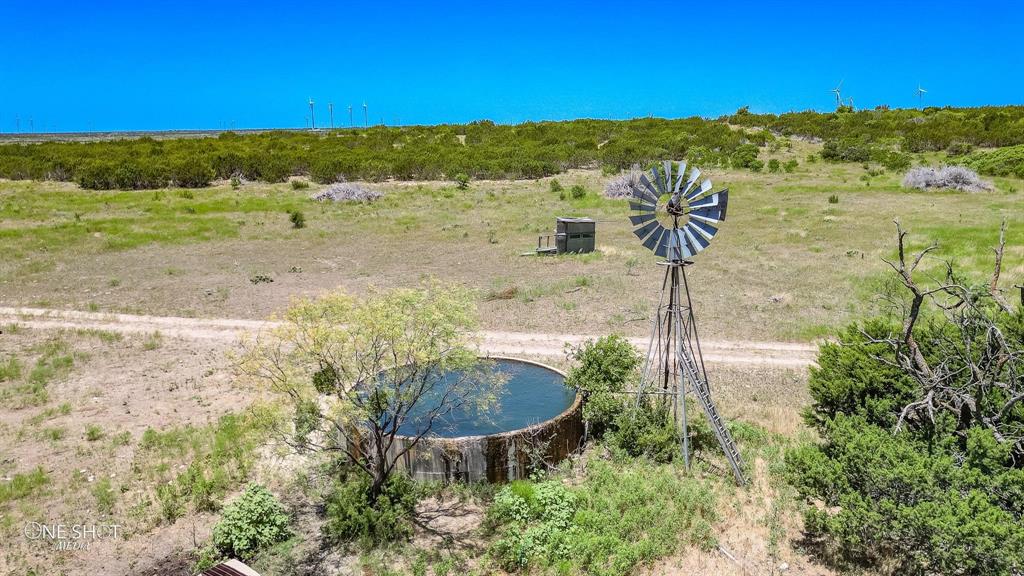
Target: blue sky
x,y
183,64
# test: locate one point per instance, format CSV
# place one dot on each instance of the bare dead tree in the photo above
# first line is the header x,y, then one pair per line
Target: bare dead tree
x,y
971,369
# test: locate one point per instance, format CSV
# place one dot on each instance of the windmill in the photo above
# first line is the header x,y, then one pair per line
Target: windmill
x,y
366,117
350,122
676,230
839,96
330,110
920,95
311,116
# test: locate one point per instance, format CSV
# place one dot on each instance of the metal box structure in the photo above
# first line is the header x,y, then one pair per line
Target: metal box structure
x,y
572,235
575,235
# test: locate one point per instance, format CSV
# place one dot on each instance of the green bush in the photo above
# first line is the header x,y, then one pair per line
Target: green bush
x,y
578,191
351,517
462,180
646,431
297,218
602,371
191,172
555,186
774,166
934,497
620,516
1002,162
299,185
252,522
790,166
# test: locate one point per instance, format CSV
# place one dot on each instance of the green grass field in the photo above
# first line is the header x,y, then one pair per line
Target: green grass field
x,y
788,263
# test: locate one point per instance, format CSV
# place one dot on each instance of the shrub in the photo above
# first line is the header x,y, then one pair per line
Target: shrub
x,y
939,497
959,149
774,166
93,433
252,522
604,368
578,191
620,516
192,172
756,165
555,185
347,192
1002,162
790,166
833,199
462,180
945,177
299,185
97,175
236,182
297,218
351,517
622,185
646,431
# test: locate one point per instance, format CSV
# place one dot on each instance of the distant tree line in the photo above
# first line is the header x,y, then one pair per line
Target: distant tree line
x,y
479,150
487,150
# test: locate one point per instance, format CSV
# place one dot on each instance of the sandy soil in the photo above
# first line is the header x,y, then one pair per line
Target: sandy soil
x,y
781,354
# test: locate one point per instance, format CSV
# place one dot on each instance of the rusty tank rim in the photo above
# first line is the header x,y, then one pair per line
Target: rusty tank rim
x,y
576,403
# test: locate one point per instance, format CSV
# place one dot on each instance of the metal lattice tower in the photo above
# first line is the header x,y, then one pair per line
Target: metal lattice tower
x,y
674,364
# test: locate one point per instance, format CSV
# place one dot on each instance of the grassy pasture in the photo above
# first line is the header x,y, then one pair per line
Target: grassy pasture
x,y
788,264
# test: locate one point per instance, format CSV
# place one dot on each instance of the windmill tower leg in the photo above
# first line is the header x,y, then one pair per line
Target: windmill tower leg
x,y
675,366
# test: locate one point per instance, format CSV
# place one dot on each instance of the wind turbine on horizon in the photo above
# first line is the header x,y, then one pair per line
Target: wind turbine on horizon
x,y
351,124
330,109
920,96
838,93
311,116
366,117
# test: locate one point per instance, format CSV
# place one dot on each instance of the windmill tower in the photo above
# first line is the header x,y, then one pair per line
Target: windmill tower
x,y
312,117
674,364
920,96
366,116
351,124
838,93
330,110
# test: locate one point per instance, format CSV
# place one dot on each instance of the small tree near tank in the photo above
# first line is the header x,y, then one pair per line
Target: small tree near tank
x,y
360,374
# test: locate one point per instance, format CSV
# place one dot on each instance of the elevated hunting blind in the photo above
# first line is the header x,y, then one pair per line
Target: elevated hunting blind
x,y
572,235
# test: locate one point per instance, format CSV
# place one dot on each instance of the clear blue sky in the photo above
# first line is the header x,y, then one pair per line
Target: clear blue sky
x,y
80,65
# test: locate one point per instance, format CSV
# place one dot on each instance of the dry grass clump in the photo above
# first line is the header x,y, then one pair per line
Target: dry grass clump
x,y
946,177
621,185
347,192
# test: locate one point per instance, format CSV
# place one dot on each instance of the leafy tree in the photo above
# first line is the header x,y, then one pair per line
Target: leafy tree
x,y
369,379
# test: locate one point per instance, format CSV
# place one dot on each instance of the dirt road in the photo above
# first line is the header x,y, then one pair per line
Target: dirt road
x,y
782,354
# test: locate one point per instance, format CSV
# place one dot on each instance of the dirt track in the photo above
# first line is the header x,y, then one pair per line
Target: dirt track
x,y
782,354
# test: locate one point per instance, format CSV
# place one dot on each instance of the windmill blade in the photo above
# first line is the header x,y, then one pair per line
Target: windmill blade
x,y
712,214
668,176
652,193
704,229
706,202
699,191
642,218
654,241
694,174
659,180
646,230
698,242
679,176
641,206
679,245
